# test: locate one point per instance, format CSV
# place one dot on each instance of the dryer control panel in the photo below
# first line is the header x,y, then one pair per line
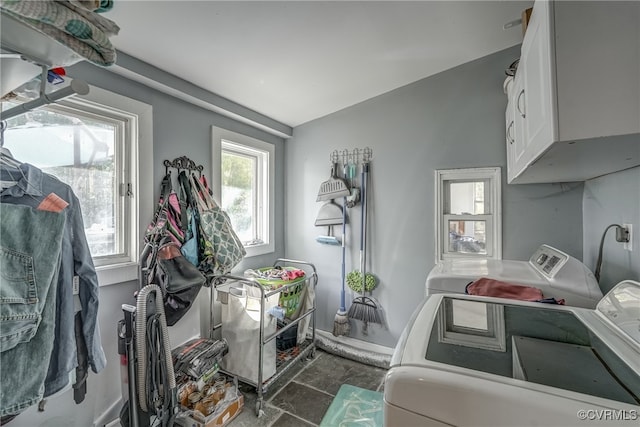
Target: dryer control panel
x,y
548,261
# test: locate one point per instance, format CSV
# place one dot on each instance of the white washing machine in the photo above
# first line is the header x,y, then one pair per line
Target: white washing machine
x,y
479,361
554,272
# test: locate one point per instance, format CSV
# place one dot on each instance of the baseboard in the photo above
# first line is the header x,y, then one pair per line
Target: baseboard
x,y
114,423
110,417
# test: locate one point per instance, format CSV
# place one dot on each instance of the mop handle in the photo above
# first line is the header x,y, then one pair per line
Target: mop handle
x,y
363,227
344,231
344,226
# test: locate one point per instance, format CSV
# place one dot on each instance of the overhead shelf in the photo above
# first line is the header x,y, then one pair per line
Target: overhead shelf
x,y
24,50
33,44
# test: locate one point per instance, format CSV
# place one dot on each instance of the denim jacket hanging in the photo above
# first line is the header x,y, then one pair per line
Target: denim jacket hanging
x,y
32,186
30,247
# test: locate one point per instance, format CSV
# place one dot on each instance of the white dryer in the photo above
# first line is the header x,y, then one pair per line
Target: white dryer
x,y
556,273
479,361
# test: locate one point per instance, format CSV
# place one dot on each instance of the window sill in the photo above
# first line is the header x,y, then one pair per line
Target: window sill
x,y
117,273
259,250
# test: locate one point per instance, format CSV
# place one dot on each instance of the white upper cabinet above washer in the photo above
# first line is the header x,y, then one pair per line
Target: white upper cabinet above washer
x,y
575,101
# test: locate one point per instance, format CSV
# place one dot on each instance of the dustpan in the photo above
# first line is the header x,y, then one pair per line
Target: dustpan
x,y
329,214
334,187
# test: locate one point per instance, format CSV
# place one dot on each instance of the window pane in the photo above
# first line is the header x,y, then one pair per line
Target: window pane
x,y
80,151
467,198
469,314
246,187
238,193
467,236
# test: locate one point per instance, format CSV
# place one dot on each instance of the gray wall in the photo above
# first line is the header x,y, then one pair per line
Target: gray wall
x,y
451,120
612,199
179,129
183,129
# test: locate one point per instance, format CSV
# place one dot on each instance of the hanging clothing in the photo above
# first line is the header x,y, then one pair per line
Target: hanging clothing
x,y
30,248
32,186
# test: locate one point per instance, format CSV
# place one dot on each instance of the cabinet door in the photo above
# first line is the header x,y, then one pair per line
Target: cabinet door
x,y
535,98
515,129
510,137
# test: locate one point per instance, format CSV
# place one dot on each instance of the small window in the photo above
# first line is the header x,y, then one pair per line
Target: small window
x,y
468,213
246,188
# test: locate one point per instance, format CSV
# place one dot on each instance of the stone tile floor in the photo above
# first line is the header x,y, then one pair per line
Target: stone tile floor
x,y
302,396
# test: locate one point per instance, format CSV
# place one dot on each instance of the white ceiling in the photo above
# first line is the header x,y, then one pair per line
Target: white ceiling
x,y
295,61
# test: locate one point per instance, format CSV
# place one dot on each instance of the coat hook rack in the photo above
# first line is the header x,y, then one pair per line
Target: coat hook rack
x,y
358,155
182,163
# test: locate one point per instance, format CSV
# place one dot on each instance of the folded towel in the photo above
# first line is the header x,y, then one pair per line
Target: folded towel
x,y
105,6
496,288
85,32
98,6
107,26
91,5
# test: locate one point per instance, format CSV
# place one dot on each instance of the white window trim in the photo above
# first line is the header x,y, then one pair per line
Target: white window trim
x,y
493,221
217,136
141,164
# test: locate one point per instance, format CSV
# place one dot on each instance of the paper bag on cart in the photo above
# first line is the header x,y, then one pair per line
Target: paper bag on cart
x,y
241,328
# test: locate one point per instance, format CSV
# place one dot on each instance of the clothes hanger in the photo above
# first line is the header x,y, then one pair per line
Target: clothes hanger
x,y
7,162
6,158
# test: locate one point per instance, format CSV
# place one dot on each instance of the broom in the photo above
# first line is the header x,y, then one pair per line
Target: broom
x,y
341,324
364,308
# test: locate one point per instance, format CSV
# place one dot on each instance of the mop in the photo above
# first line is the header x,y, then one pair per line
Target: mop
x,y
341,324
363,307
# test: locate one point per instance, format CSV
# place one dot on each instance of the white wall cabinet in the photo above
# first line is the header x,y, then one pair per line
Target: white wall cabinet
x,y
573,110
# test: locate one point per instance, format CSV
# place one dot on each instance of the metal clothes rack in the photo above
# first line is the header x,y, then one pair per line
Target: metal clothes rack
x,y
32,49
306,349
76,86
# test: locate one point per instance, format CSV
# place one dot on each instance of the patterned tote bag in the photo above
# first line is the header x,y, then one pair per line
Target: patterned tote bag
x,y
221,249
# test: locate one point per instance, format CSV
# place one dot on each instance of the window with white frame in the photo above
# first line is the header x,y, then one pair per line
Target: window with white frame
x,y
246,187
468,212
93,144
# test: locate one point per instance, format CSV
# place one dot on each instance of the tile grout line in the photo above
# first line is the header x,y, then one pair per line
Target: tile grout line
x,y
267,402
306,364
314,388
293,380
291,414
304,368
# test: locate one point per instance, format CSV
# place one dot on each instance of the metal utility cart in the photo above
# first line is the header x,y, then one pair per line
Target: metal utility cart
x,y
304,349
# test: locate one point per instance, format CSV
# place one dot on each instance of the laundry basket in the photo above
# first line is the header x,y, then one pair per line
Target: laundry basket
x,y
289,299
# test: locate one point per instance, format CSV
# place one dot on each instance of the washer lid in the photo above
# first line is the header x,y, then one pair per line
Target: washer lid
x,y
557,274
462,271
621,306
